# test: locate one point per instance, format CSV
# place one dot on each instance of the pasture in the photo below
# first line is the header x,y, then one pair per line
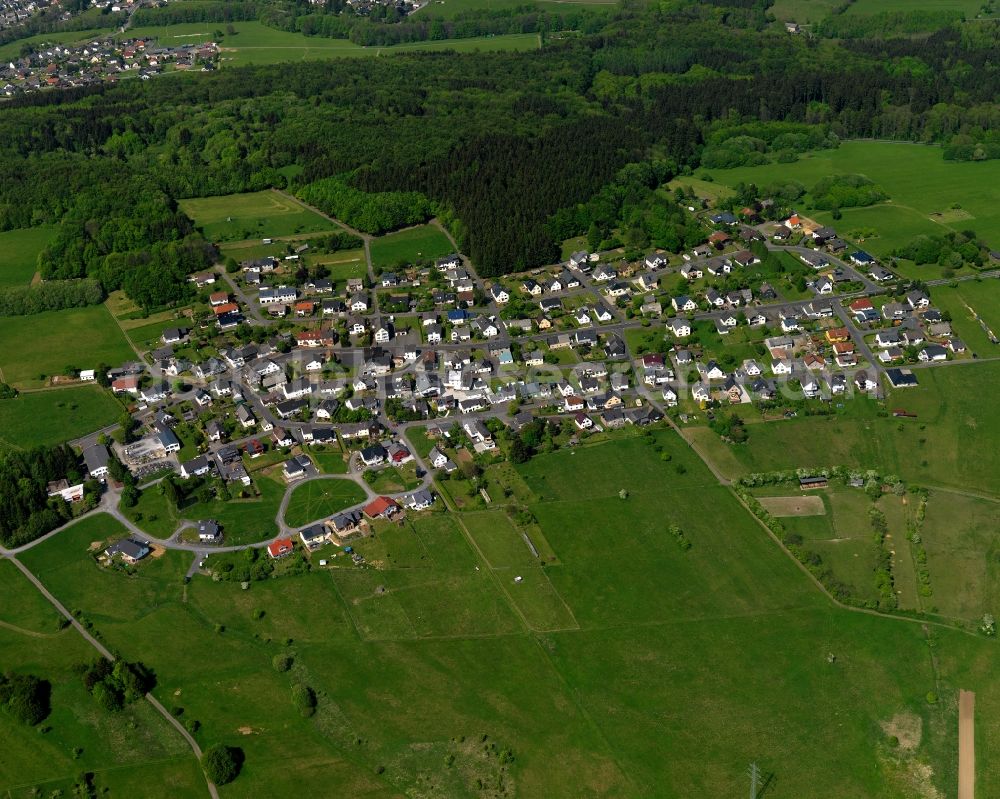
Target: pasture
x,y
123,749
932,449
34,348
431,645
261,214
19,253
918,180
421,243
319,499
68,413
255,43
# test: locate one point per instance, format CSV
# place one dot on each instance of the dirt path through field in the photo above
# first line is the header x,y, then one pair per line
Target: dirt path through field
x,y
966,745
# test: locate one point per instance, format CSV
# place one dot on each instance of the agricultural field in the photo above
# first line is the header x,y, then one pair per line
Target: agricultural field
x,y
958,534
20,250
262,214
835,524
68,413
254,43
318,499
931,449
919,182
125,750
34,348
423,243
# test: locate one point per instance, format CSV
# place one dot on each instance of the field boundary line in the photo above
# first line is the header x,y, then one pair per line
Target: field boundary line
x,y
833,600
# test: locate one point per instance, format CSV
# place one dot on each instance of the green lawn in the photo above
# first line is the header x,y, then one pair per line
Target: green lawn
x,y
664,672
393,480
255,43
917,179
318,499
243,521
45,344
261,214
424,243
51,417
20,250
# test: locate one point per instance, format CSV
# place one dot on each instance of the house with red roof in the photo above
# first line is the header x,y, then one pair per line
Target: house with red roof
x,y
280,547
218,298
381,508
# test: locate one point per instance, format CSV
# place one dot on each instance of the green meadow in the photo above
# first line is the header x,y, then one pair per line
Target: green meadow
x,y
933,449
244,521
255,43
19,253
33,348
128,752
621,664
68,413
318,499
919,182
423,243
262,214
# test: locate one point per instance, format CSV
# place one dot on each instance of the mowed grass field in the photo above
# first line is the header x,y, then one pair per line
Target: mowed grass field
x,y
917,179
51,417
424,242
46,343
262,214
244,521
255,43
19,253
954,442
133,752
318,499
682,665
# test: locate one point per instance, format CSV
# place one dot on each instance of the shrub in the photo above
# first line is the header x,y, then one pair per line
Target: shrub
x,y
222,763
304,698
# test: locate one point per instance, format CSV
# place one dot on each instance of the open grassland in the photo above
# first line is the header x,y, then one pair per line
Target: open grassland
x,y
255,43
421,243
964,301
35,347
68,413
917,179
12,50
262,214
19,253
935,448
244,521
675,667
959,534
319,499
131,752
968,300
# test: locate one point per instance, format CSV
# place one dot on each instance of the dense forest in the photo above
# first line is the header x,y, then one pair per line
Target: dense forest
x,y
510,149
27,511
